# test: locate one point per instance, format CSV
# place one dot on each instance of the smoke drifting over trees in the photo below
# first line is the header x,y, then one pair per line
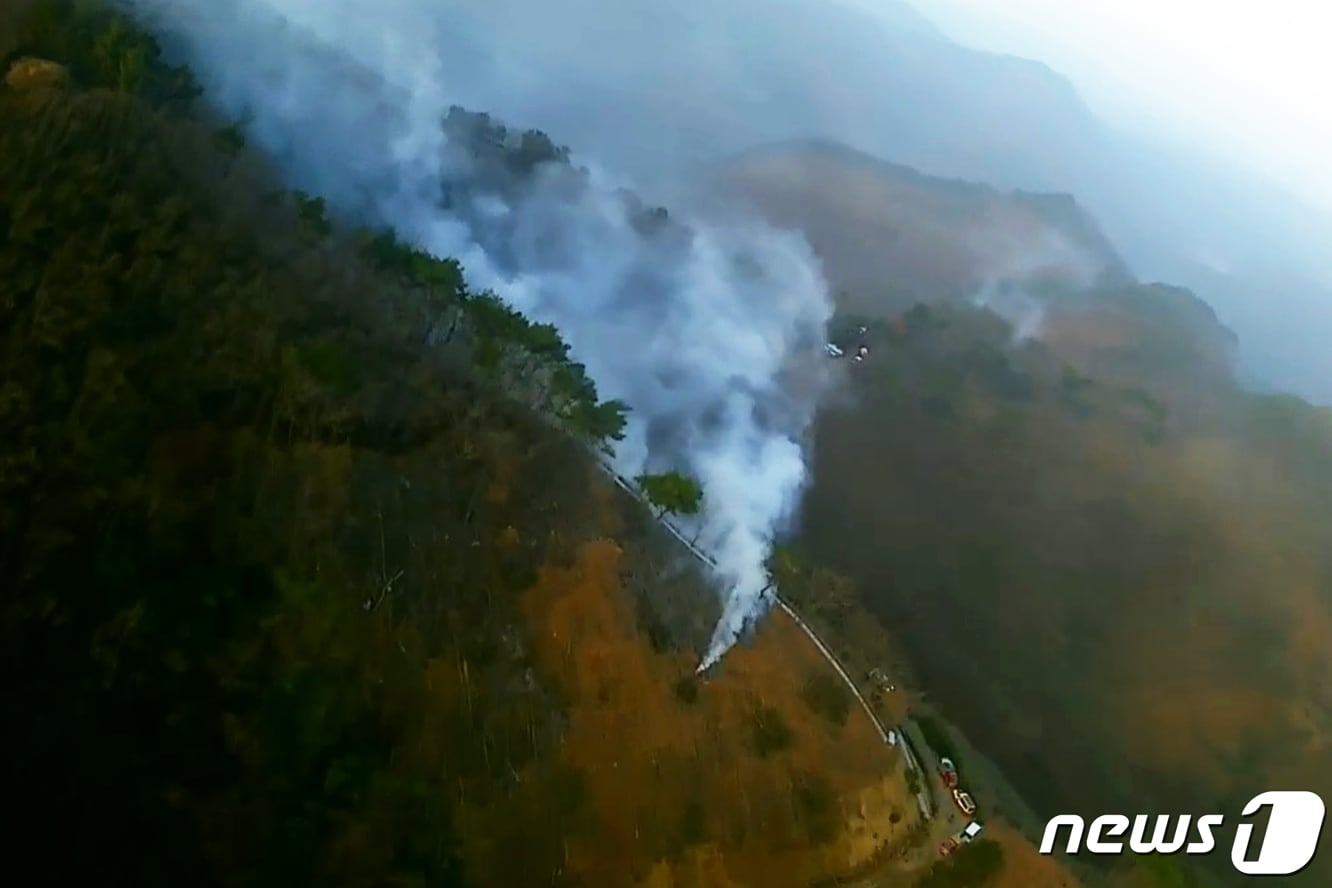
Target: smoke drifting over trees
x,y
695,324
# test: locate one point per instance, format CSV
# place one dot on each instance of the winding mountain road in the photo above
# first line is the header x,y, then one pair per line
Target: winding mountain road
x,y
926,809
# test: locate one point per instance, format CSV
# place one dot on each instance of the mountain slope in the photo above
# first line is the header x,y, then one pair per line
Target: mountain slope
x,y
308,580
1122,600
890,236
696,80
683,86
1104,555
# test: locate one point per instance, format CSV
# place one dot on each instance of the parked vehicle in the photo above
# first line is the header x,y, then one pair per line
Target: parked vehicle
x,y
964,801
948,771
948,847
971,830
877,676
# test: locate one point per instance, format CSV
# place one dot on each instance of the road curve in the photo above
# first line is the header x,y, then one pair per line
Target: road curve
x,y
628,487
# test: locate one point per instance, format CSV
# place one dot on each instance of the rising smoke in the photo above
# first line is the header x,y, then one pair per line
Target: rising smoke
x,y
1014,264
1011,301
709,336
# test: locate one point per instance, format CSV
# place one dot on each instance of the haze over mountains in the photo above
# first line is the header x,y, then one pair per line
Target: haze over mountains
x,y
671,87
1222,78
311,578
891,237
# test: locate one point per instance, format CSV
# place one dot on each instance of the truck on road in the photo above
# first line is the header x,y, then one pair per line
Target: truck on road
x,y
967,834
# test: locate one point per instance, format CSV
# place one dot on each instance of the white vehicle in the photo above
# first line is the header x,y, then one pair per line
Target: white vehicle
x,y
833,350
970,831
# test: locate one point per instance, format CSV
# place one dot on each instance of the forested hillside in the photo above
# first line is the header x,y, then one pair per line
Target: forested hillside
x,y
232,474
308,574
1108,559
1109,562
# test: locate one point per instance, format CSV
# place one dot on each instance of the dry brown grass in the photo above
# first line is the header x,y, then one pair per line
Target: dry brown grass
x,y
888,238
1024,866
648,754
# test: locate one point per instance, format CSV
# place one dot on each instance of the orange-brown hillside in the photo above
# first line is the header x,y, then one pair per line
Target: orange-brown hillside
x,y
1115,579
890,236
733,781
1024,866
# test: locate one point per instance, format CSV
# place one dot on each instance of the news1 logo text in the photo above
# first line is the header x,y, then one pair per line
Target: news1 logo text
x,y
1294,826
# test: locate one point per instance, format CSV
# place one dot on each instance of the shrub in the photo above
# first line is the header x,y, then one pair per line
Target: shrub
x,y
817,808
970,866
769,732
825,695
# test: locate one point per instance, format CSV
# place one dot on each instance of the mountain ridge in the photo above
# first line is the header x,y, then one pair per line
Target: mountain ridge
x,y
890,233
687,90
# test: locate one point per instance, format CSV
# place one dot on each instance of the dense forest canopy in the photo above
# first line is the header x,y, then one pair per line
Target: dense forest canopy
x,y
1062,504
307,566
223,419
1108,560
297,530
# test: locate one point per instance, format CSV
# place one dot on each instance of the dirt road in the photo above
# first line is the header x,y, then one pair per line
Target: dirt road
x,y
946,808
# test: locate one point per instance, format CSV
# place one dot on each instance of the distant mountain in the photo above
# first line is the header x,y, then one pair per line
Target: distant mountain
x,y
673,87
891,236
691,81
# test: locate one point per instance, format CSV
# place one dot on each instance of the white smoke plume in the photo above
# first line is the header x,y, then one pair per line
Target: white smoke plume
x,y
711,335
1010,301
1014,261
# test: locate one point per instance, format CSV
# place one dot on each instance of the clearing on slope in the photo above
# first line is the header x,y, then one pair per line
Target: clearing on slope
x,y
738,773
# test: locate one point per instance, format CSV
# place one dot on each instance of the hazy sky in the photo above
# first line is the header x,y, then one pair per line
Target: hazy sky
x,y
1251,79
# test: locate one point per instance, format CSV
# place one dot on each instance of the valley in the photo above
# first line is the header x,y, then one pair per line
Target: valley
x,y
359,612
1092,497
